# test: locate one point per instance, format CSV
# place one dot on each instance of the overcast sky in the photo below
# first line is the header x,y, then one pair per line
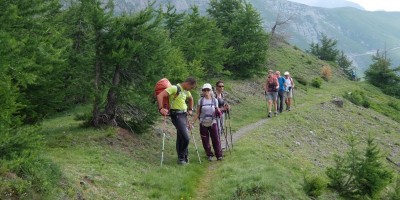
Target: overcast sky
x,y
373,5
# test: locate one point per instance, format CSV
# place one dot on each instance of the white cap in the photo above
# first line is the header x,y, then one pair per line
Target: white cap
x,y
207,85
286,73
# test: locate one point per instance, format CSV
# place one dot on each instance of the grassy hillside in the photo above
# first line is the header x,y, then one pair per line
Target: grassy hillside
x,y
269,162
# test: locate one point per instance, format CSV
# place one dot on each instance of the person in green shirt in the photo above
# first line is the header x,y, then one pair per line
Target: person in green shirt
x,y
178,96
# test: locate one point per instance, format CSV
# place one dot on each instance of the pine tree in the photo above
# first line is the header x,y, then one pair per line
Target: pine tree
x,y
242,25
345,64
202,43
372,176
325,49
32,37
132,53
381,75
359,176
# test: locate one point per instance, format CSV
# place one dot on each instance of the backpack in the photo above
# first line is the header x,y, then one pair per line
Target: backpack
x,y
272,85
160,86
208,122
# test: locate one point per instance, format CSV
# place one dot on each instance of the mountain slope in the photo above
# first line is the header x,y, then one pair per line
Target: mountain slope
x,y
272,159
329,4
359,33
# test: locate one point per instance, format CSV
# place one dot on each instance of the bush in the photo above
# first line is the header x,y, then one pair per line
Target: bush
x,y
314,185
301,80
395,105
316,82
19,143
326,73
24,172
360,176
357,97
251,192
137,116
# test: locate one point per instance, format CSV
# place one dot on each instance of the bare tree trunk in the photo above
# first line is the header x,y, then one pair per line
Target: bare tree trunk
x,y
112,97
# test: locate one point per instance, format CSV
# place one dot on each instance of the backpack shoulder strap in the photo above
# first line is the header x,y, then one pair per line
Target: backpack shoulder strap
x,y
178,91
201,105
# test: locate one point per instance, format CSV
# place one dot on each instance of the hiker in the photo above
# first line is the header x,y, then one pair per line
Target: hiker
x,y
178,94
289,85
281,91
207,112
271,91
222,105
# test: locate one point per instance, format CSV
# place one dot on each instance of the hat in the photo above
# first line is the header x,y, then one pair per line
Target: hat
x,y
286,73
207,86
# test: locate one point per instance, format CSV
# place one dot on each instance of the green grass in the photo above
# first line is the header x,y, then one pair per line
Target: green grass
x,y
276,156
268,163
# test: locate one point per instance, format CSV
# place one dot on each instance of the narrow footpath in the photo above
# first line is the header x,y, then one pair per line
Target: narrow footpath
x,y
203,188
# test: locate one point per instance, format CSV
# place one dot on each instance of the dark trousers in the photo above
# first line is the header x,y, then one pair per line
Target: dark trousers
x,y
211,132
281,100
182,135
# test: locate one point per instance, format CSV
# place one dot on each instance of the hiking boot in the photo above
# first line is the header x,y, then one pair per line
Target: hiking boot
x,y
269,115
210,158
276,114
220,158
182,162
289,109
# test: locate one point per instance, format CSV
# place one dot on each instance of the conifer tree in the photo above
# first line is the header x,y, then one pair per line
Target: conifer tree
x,y
132,53
345,64
381,75
31,36
242,25
202,43
325,49
372,176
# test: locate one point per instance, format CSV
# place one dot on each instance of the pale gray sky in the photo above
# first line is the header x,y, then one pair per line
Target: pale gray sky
x,y
374,5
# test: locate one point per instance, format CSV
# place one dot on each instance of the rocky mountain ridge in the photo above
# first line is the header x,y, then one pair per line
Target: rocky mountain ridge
x,y
359,33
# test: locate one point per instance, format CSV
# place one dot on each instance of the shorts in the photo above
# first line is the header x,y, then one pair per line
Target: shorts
x,y
272,96
288,94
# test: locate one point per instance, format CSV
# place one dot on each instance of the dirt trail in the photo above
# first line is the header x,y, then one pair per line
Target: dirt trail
x,y
202,191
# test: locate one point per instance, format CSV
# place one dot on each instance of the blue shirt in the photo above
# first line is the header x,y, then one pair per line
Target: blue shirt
x,y
281,81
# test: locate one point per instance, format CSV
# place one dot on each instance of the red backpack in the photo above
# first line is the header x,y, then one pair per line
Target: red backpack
x,y
161,85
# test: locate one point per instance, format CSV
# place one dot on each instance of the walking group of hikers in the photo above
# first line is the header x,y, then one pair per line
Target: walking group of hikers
x,y
210,113
212,110
278,89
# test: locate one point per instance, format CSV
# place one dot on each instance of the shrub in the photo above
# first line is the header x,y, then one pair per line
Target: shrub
x,y
357,97
395,105
359,176
301,80
395,193
251,192
316,82
314,185
326,73
25,172
309,62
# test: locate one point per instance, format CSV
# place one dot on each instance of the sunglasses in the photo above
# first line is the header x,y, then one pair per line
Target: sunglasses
x,y
204,90
220,86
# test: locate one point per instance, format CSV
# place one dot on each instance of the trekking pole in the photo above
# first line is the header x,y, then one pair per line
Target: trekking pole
x,y
163,140
294,102
194,140
230,129
225,135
